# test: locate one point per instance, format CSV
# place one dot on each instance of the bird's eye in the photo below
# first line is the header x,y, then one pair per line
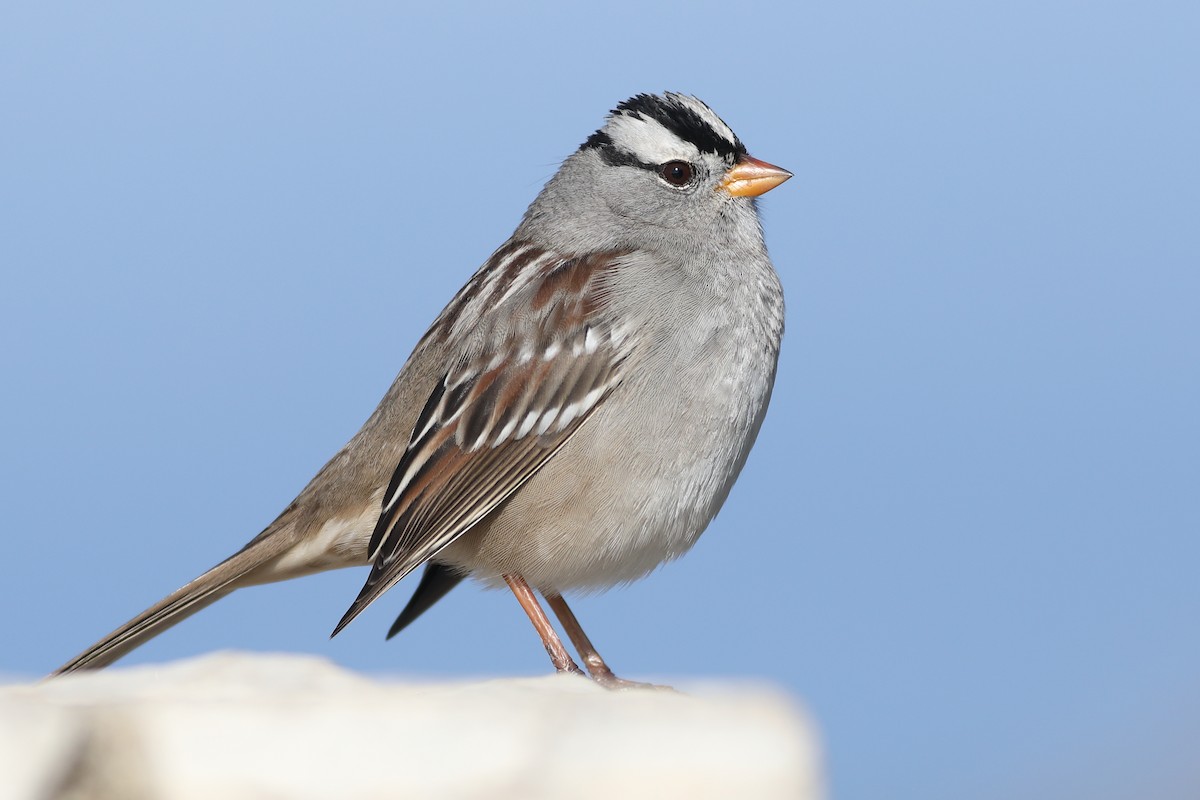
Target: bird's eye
x,y
677,173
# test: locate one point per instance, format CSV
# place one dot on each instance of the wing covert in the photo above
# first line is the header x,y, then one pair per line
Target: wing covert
x,y
543,355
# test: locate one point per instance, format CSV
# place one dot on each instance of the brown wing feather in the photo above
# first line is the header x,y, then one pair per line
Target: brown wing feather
x,y
500,412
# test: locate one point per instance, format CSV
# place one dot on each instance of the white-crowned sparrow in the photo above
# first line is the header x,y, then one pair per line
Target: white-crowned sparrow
x,y
579,411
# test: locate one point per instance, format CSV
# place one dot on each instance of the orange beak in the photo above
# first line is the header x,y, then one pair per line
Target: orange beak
x,y
750,177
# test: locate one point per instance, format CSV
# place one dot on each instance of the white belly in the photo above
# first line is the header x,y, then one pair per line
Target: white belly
x,y
639,482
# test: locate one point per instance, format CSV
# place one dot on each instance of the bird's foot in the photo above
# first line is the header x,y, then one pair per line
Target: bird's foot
x,y
610,681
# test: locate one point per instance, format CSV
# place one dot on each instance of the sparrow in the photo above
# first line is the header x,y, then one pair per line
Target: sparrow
x,y
575,416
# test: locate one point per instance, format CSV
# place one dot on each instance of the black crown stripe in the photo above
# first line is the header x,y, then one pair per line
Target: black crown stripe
x,y
681,120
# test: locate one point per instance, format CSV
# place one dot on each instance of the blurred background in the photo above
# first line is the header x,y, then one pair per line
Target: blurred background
x,y
968,537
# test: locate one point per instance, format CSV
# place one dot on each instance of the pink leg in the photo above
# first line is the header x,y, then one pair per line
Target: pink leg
x,y
596,667
554,646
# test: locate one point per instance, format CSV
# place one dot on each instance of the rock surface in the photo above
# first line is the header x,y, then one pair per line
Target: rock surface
x,y
239,726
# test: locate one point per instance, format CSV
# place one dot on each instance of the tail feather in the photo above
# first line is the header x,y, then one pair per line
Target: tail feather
x,y
219,581
436,582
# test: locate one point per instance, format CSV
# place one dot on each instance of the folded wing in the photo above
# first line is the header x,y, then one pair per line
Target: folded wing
x,y
544,354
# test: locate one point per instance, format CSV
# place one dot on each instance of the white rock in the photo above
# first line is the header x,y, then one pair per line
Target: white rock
x,y
239,726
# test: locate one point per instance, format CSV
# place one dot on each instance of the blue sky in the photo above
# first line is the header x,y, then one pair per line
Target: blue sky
x,y
968,536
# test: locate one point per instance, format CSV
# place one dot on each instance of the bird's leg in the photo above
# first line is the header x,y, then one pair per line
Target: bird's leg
x,y
596,667
554,646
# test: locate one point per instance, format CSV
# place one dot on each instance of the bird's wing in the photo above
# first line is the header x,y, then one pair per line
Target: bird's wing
x,y
542,352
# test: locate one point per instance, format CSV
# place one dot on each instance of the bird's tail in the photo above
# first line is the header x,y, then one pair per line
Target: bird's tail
x,y
235,571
